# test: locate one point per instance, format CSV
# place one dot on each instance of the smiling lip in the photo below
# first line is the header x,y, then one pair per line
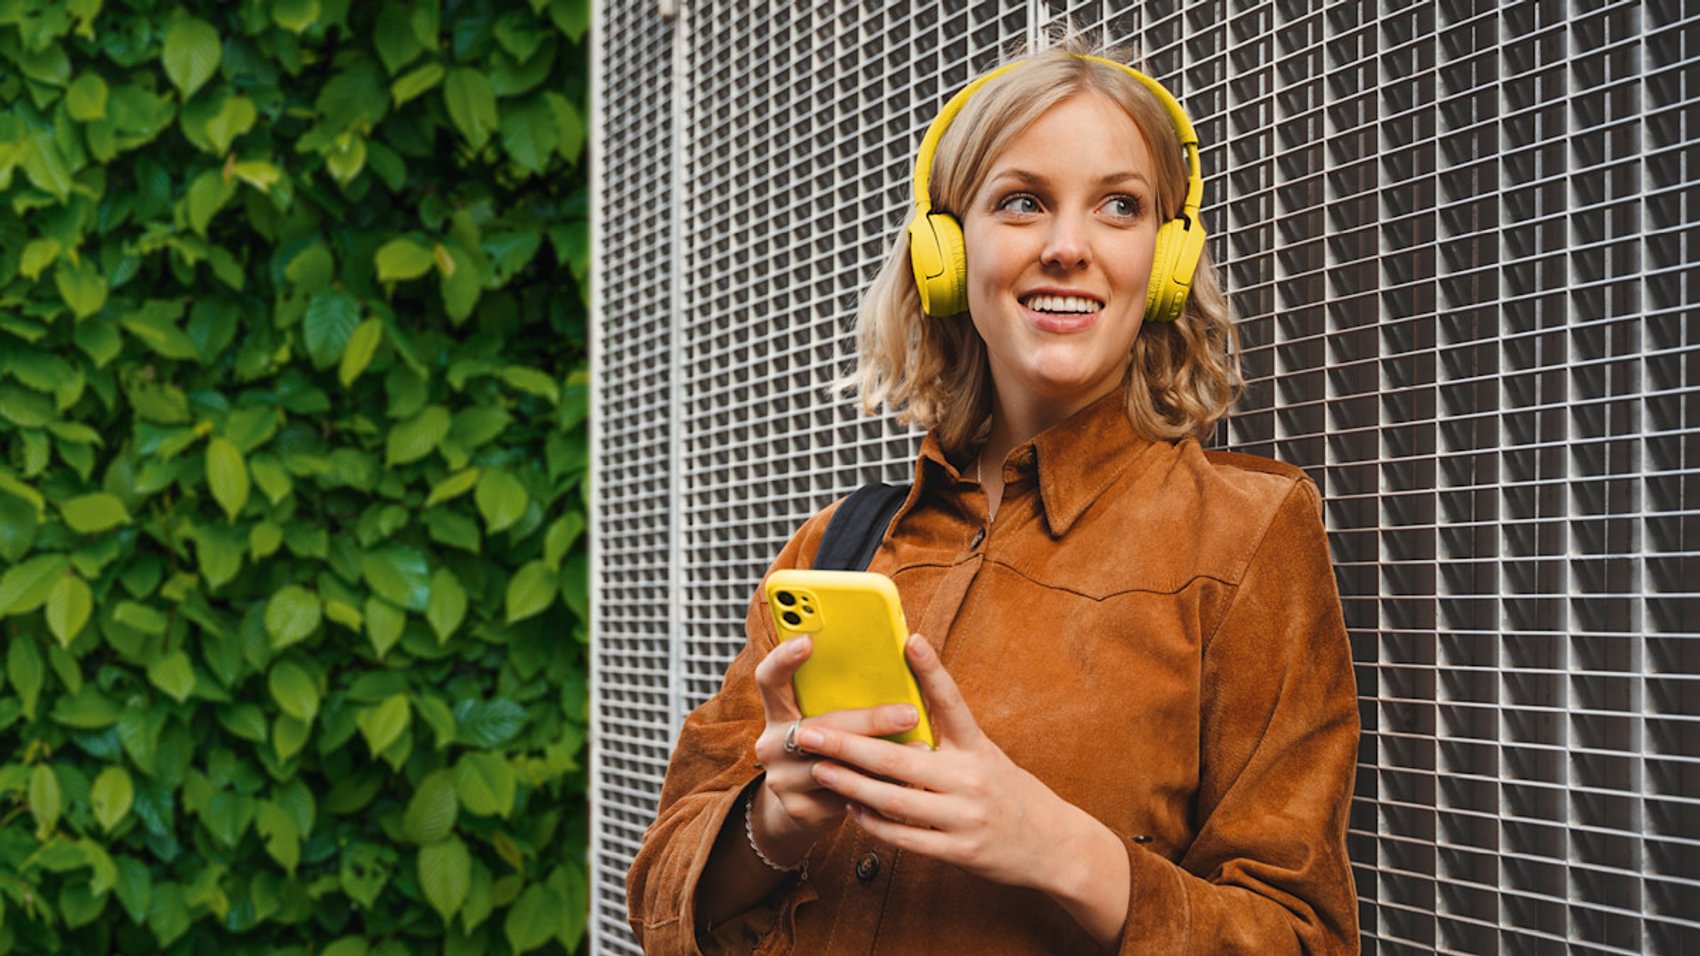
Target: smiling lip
x,y
1063,322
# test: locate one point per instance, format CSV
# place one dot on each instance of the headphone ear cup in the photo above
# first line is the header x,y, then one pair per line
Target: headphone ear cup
x,y
1174,260
939,258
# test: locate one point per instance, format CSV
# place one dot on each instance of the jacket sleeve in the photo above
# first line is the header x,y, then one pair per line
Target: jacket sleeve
x,y
1267,872
713,762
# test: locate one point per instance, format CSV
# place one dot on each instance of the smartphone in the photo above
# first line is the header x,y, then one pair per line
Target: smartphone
x,y
856,624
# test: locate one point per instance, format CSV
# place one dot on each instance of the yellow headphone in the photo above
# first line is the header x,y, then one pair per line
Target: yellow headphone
x,y
936,249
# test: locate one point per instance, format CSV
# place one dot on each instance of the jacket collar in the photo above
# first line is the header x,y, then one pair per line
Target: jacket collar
x,y
1076,460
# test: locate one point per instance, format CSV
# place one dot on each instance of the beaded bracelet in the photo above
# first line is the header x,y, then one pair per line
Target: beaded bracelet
x,y
750,834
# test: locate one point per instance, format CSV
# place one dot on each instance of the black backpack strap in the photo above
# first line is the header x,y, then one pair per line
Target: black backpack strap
x,y
858,526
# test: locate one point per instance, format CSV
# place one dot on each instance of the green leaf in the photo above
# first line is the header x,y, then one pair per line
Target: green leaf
x,y
191,54
45,799
395,38
25,587
501,499
85,98
24,669
235,116
447,605
472,105
295,15
462,284
533,381
328,325
561,536
25,408
227,474
281,832
168,914
417,437
530,591
384,724
111,796
399,574
94,513
529,135
445,876
357,354
288,736
134,887
485,784
173,674
436,714
207,195
571,17
488,724
532,920
571,886
37,256
453,486
416,82
81,285
431,811
294,690
402,258
570,124
292,614
68,606
218,551
384,624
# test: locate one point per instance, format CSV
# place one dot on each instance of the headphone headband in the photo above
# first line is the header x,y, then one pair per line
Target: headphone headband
x,y
947,115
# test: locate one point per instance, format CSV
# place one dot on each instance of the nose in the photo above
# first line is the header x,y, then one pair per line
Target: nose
x,y
1066,245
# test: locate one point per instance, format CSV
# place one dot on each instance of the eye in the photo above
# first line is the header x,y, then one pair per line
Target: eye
x,y
1123,207
1022,204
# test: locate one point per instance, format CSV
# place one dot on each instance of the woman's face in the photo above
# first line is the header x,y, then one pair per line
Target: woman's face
x,y
1059,240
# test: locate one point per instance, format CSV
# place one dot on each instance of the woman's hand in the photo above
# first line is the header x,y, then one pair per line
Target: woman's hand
x,y
968,804
792,808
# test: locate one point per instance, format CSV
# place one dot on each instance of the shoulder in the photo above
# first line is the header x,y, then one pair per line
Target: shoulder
x,y
1193,514
1243,499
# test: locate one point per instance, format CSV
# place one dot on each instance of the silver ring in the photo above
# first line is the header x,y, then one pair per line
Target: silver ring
x,y
791,738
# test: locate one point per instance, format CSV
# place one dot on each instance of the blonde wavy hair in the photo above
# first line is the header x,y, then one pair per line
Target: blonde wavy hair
x,y
933,373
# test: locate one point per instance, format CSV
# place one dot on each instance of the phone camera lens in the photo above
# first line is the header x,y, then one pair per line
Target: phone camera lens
x,y
786,598
792,618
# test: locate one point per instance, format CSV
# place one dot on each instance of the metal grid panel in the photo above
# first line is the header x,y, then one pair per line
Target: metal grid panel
x,y
1462,243
803,126
632,692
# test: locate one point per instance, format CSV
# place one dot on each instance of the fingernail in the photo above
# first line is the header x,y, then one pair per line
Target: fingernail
x,y
799,646
824,773
810,739
906,716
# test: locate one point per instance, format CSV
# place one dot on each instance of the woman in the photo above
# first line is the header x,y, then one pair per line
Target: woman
x,y
1133,656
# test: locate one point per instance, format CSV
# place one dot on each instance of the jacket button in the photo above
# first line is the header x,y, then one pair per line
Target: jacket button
x,y
979,536
868,866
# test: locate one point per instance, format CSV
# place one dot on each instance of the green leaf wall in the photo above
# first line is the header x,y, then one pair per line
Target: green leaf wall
x,y
292,476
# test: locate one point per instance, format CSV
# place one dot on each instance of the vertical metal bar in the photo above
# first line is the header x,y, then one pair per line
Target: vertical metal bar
x,y
678,258
598,343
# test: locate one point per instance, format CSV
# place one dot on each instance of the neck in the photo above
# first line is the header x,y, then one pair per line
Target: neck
x,y
1015,422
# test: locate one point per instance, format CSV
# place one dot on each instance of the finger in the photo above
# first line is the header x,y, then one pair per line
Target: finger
x,y
890,800
878,721
948,712
773,677
903,836
915,766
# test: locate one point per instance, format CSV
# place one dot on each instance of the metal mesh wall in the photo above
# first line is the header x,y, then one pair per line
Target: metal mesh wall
x,y
1462,241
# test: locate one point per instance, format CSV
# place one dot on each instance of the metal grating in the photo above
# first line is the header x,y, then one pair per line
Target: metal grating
x,y
1462,240
632,690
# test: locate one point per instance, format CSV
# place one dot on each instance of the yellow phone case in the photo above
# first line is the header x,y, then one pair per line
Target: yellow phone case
x,y
856,623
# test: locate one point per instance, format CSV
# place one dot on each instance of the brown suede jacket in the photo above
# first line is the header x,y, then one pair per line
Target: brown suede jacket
x,y
1151,629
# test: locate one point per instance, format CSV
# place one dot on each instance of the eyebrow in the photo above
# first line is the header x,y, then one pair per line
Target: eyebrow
x,y
1028,178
